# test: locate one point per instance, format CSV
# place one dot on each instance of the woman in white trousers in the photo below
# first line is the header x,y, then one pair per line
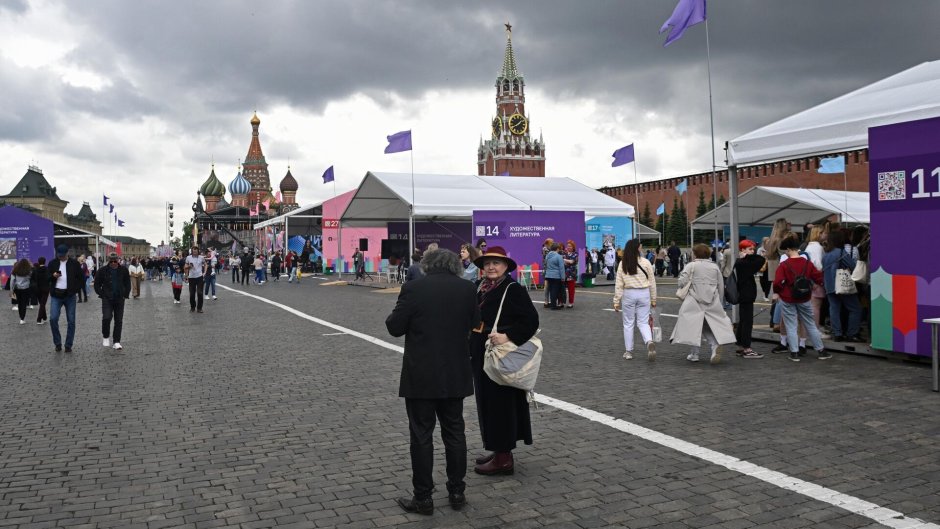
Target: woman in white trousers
x,y
634,294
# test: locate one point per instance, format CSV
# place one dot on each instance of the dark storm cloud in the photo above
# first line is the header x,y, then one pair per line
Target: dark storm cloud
x,y
769,58
30,101
16,7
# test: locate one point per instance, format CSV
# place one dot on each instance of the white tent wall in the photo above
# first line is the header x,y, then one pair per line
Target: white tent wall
x,y
761,206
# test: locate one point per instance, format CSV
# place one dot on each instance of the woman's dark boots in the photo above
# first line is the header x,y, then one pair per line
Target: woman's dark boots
x,y
500,464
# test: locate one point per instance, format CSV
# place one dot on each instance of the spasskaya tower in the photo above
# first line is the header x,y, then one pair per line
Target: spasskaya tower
x,y
511,150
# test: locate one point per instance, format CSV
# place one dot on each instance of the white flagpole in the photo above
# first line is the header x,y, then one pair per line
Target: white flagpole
x,y
411,210
845,181
636,196
711,119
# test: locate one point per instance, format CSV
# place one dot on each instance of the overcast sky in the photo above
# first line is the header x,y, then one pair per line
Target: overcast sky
x,y
135,99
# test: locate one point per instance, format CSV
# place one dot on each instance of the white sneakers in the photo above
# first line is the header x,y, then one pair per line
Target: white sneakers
x,y
176,301
106,342
22,322
628,355
716,354
117,346
651,351
213,297
693,357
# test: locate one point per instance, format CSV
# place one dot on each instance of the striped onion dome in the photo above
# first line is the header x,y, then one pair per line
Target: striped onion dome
x,y
212,187
239,186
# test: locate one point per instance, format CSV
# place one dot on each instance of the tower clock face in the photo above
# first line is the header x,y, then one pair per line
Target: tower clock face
x,y
518,124
497,126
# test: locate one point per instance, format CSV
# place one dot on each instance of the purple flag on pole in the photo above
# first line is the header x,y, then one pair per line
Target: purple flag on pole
x,y
112,209
105,199
623,156
120,224
399,142
328,175
687,14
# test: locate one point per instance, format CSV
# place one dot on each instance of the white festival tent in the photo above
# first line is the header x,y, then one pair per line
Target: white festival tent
x,y
383,197
842,123
761,206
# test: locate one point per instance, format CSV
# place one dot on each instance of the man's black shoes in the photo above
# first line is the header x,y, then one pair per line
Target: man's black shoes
x,y
457,500
416,505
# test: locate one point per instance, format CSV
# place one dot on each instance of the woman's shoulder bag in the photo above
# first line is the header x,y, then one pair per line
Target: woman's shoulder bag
x,y
683,292
510,365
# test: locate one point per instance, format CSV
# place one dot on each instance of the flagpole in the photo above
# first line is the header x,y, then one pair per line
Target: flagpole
x,y
711,119
845,181
411,210
636,196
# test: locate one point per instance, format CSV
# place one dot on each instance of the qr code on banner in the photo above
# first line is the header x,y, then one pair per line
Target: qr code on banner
x,y
891,186
481,231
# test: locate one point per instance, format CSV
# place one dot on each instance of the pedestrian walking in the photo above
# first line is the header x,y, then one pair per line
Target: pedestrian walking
x,y
195,270
212,269
113,286
176,283
793,284
436,315
40,281
20,290
745,267
554,276
634,295
65,282
276,265
258,264
674,254
358,265
838,258
137,274
235,263
571,270
503,411
248,266
701,314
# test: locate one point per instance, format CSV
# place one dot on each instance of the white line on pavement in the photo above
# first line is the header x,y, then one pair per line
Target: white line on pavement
x,y
872,511
333,333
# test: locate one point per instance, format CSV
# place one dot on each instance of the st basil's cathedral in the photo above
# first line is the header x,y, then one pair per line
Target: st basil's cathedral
x,y
252,200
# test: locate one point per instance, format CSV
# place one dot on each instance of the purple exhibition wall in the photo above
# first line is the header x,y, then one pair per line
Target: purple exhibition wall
x,y
904,183
449,235
23,234
522,233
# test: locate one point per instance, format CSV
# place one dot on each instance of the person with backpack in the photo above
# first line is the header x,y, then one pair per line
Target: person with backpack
x,y
793,284
838,257
745,267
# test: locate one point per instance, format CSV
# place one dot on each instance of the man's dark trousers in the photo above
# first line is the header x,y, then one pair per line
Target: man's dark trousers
x,y
745,324
112,308
195,291
421,418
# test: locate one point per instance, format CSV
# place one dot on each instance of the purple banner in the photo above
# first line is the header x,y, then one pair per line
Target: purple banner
x,y
449,235
23,235
522,234
904,184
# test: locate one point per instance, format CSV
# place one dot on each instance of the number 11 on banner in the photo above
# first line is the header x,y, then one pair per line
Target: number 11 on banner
x,y
919,175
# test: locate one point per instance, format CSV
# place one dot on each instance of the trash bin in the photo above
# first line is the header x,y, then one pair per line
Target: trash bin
x,y
587,280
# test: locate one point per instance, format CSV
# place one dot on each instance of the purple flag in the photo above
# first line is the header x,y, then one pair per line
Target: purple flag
x,y
687,14
105,199
112,209
399,142
120,224
623,156
328,175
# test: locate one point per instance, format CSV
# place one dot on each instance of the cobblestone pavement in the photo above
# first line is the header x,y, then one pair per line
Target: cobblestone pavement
x,y
251,416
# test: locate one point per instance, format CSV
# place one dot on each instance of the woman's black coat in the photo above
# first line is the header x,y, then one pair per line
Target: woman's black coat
x,y
503,411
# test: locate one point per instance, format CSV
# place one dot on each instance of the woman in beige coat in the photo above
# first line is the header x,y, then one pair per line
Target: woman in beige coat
x,y
701,314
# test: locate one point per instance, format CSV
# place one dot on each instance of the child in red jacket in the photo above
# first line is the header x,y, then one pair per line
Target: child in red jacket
x,y
794,284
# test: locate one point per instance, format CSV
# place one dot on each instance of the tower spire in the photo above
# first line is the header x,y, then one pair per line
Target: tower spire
x,y
509,70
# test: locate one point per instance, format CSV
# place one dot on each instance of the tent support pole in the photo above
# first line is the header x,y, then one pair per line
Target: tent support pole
x,y
339,249
733,237
411,209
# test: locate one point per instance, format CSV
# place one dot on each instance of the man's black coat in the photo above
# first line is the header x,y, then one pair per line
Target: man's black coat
x,y
73,272
435,314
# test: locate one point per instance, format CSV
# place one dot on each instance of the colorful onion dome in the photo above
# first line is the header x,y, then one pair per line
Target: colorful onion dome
x,y
288,183
239,186
212,187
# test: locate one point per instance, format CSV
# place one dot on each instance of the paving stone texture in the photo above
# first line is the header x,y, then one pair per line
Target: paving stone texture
x,y
249,416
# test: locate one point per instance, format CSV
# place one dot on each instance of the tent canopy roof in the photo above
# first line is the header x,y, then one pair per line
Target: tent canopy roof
x,y
299,223
388,196
761,206
842,123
